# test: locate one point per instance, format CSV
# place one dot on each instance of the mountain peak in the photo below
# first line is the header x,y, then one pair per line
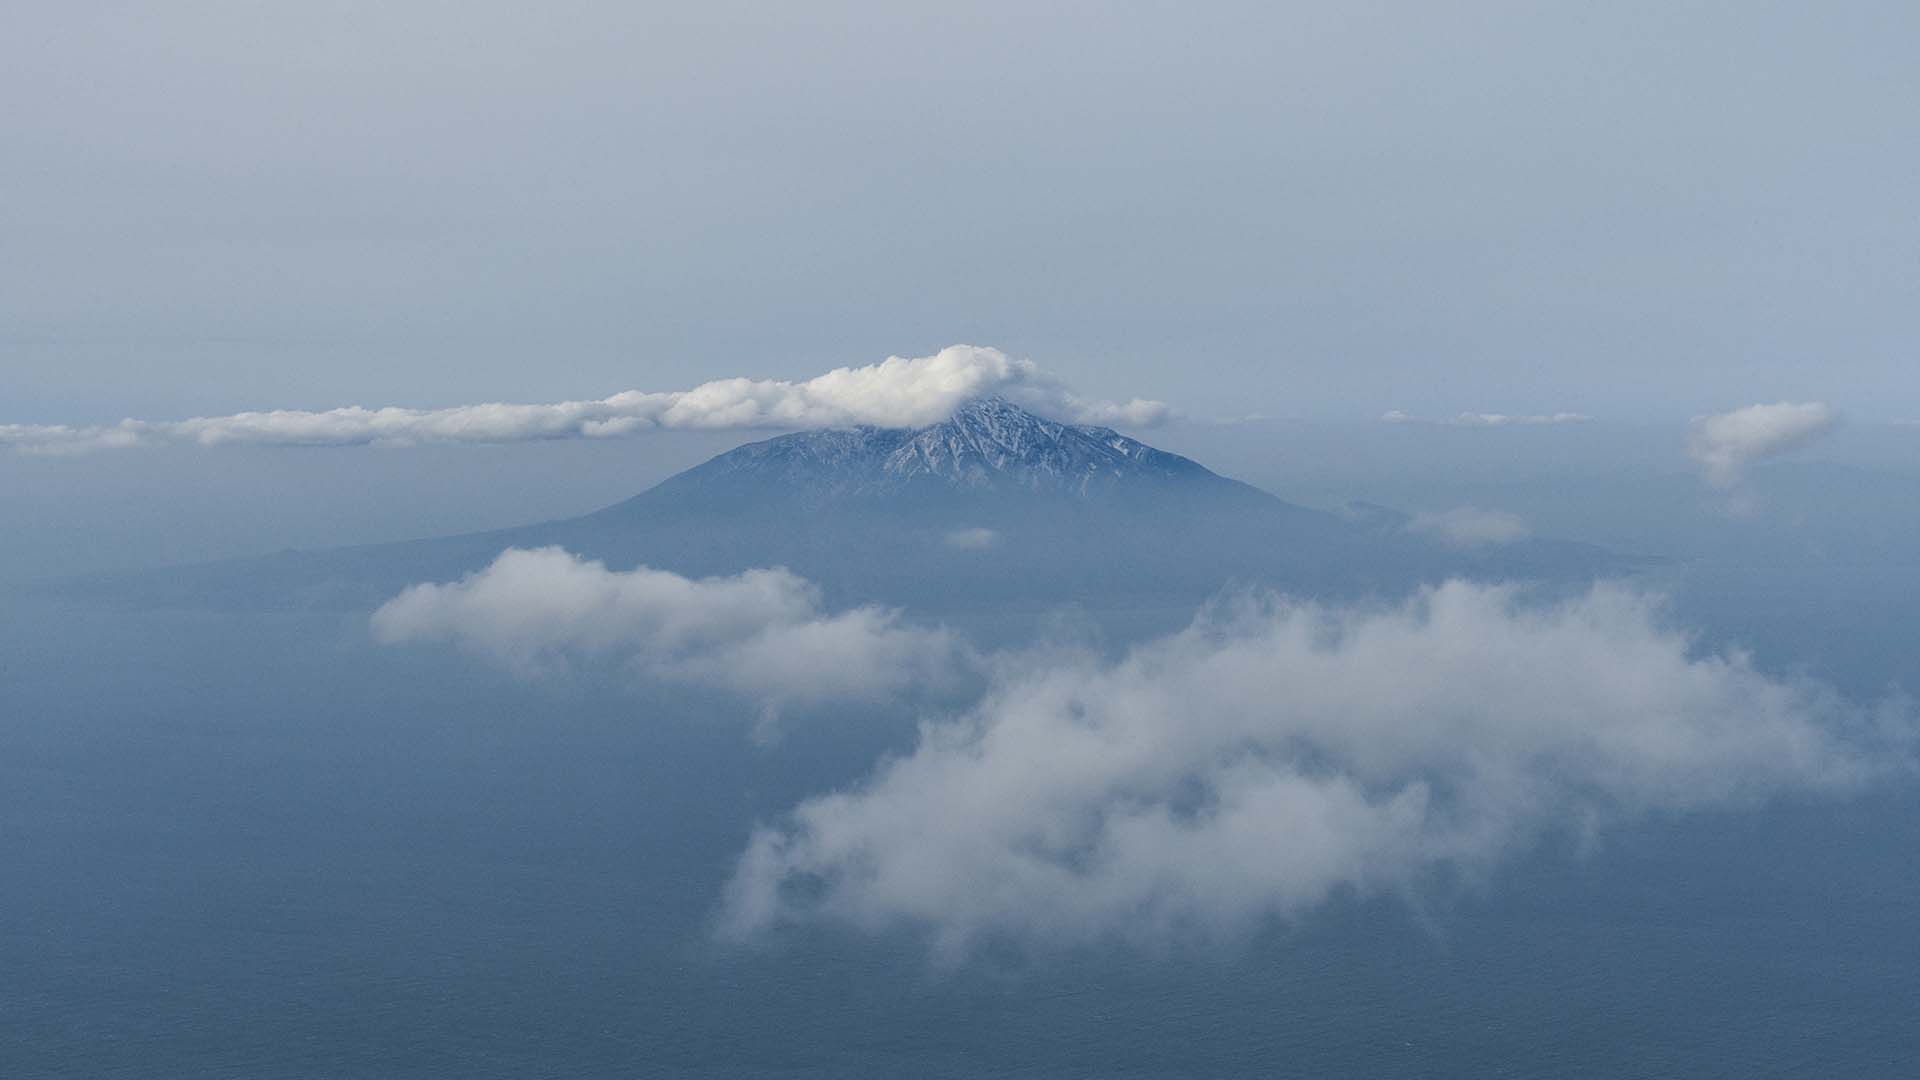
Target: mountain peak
x,y
992,409
987,444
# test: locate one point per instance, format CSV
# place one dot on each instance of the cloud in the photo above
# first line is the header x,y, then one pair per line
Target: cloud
x,y
1469,527
973,539
1273,754
1244,769
896,392
1724,444
1474,419
762,633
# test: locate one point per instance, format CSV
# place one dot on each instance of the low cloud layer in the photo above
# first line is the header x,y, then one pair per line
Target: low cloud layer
x,y
1724,444
1247,768
1470,527
762,633
1487,420
897,392
1273,754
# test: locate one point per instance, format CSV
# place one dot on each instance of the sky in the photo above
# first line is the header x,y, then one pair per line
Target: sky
x,y
1638,212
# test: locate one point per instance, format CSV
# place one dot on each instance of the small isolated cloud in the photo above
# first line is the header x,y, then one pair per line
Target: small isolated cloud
x,y
1275,753
1487,420
762,633
973,539
1724,444
897,392
1469,527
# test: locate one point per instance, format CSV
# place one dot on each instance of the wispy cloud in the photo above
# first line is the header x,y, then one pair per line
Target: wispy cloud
x,y
1273,753
1486,419
896,392
1724,444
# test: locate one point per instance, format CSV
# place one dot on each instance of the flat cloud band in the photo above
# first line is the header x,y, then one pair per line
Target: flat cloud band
x,y
896,392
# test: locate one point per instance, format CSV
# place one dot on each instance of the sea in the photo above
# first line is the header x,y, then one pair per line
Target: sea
x,y
258,846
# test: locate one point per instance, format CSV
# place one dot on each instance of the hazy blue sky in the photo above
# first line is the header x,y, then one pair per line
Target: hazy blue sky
x,y
1638,211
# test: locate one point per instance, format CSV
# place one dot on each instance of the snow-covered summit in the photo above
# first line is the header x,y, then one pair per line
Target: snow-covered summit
x,y
988,444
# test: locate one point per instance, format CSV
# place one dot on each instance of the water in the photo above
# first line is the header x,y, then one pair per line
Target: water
x,y
258,846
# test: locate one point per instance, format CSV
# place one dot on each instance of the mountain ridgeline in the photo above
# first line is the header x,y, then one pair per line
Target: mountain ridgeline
x,y
989,447
993,508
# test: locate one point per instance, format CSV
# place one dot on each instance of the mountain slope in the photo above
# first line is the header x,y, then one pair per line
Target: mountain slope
x,y
989,446
994,508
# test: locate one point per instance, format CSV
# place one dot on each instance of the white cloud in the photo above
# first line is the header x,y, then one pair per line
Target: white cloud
x,y
762,633
897,392
1470,527
1241,770
1271,754
1725,443
1480,419
973,539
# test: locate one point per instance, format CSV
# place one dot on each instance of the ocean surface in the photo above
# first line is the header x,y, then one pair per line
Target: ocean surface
x,y
259,846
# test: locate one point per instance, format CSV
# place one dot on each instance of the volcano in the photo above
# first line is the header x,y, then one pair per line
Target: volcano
x,y
994,508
